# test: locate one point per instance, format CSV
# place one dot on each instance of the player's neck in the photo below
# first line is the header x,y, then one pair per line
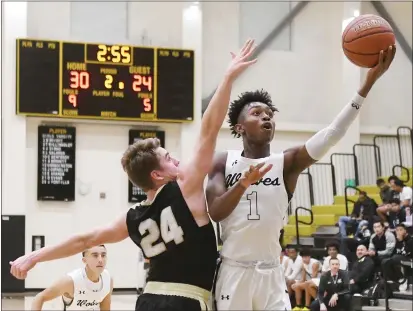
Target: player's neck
x,y
93,276
253,151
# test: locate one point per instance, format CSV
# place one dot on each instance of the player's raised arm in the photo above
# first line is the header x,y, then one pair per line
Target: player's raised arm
x,y
60,288
193,173
299,158
113,233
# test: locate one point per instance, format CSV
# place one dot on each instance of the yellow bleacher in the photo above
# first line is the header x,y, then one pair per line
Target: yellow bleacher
x,y
327,215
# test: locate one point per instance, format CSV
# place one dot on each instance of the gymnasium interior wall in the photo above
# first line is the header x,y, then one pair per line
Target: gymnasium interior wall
x,y
304,82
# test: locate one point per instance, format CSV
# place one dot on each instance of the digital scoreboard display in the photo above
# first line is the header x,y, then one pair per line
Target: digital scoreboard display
x,y
136,194
100,81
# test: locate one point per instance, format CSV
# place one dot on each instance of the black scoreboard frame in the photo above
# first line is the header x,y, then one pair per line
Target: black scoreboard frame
x,y
61,115
133,134
55,192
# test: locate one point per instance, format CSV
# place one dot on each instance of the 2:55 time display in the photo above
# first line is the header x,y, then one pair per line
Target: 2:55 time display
x,y
116,54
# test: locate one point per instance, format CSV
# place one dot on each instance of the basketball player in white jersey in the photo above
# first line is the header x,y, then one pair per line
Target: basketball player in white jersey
x,y
310,269
249,190
87,288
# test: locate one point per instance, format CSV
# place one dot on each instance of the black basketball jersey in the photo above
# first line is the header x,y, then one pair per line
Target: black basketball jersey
x,y
178,249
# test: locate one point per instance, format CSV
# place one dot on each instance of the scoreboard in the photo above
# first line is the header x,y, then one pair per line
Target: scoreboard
x,y
100,81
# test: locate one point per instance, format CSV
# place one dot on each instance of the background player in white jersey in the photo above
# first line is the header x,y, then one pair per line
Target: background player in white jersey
x,y
87,288
250,199
310,268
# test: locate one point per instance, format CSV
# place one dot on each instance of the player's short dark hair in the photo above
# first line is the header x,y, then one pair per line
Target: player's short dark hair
x,y
333,243
380,181
379,222
331,259
243,100
85,251
401,225
399,183
392,177
305,252
139,160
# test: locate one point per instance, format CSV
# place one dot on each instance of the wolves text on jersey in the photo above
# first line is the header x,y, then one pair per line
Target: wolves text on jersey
x,y
232,179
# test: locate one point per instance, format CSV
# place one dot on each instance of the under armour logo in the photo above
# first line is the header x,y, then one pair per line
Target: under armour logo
x,y
357,106
81,292
224,297
235,162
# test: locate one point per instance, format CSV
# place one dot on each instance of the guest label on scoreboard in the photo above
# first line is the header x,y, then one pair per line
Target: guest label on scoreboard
x,y
136,194
56,163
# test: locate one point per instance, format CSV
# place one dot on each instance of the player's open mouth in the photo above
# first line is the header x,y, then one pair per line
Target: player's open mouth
x,y
267,126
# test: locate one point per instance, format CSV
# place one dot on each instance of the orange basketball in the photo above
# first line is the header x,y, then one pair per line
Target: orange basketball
x,y
365,37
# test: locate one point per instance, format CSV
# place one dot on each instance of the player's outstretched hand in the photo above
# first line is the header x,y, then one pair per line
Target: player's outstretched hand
x,y
385,60
254,174
241,61
21,266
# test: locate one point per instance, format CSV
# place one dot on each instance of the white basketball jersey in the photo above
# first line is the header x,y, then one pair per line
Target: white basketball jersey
x,y
309,269
252,231
87,295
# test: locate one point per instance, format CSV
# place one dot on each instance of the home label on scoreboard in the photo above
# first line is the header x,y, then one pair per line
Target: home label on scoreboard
x,y
56,163
136,194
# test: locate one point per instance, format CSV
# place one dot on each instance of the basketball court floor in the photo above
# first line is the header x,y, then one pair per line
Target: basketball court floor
x,y
120,301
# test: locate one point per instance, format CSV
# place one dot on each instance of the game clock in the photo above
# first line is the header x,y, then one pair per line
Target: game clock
x,y
102,81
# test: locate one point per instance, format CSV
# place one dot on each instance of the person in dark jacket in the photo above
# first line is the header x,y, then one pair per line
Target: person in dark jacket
x,y
349,245
382,243
362,271
363,211
397,215
333,291
403,251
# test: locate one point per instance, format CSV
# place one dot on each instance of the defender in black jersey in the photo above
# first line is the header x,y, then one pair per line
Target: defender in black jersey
x,y
172,227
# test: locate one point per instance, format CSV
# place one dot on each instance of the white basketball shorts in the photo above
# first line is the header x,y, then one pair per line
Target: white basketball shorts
x,y
243,286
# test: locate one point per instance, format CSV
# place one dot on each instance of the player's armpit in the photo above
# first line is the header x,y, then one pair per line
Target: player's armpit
x,y
296,160
106,302
62,286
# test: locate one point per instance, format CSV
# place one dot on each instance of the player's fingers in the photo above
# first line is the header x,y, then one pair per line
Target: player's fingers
x,y
381,58
388,57
232,55
250,52
258,166
250,62
265,169
245,46
391,55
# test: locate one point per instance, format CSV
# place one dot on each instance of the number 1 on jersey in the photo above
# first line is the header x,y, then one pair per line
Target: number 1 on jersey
x,y
253,198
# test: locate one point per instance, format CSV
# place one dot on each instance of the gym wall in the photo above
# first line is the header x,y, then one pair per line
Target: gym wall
x,y
305,82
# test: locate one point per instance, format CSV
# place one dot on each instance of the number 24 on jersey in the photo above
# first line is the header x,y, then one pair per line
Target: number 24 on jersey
x,y
169,231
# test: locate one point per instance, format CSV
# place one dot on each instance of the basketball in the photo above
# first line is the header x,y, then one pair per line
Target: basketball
x,y
365,37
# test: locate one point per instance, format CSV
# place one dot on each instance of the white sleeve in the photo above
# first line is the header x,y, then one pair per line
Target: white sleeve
x,y
406,194
326,264
318,145
296,269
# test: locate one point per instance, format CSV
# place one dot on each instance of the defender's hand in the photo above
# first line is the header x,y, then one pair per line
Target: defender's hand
x,y
254,174
21,266
240,62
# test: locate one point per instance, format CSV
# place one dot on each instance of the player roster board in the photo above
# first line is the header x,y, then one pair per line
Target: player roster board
x,y
136,194
100,81
56,163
